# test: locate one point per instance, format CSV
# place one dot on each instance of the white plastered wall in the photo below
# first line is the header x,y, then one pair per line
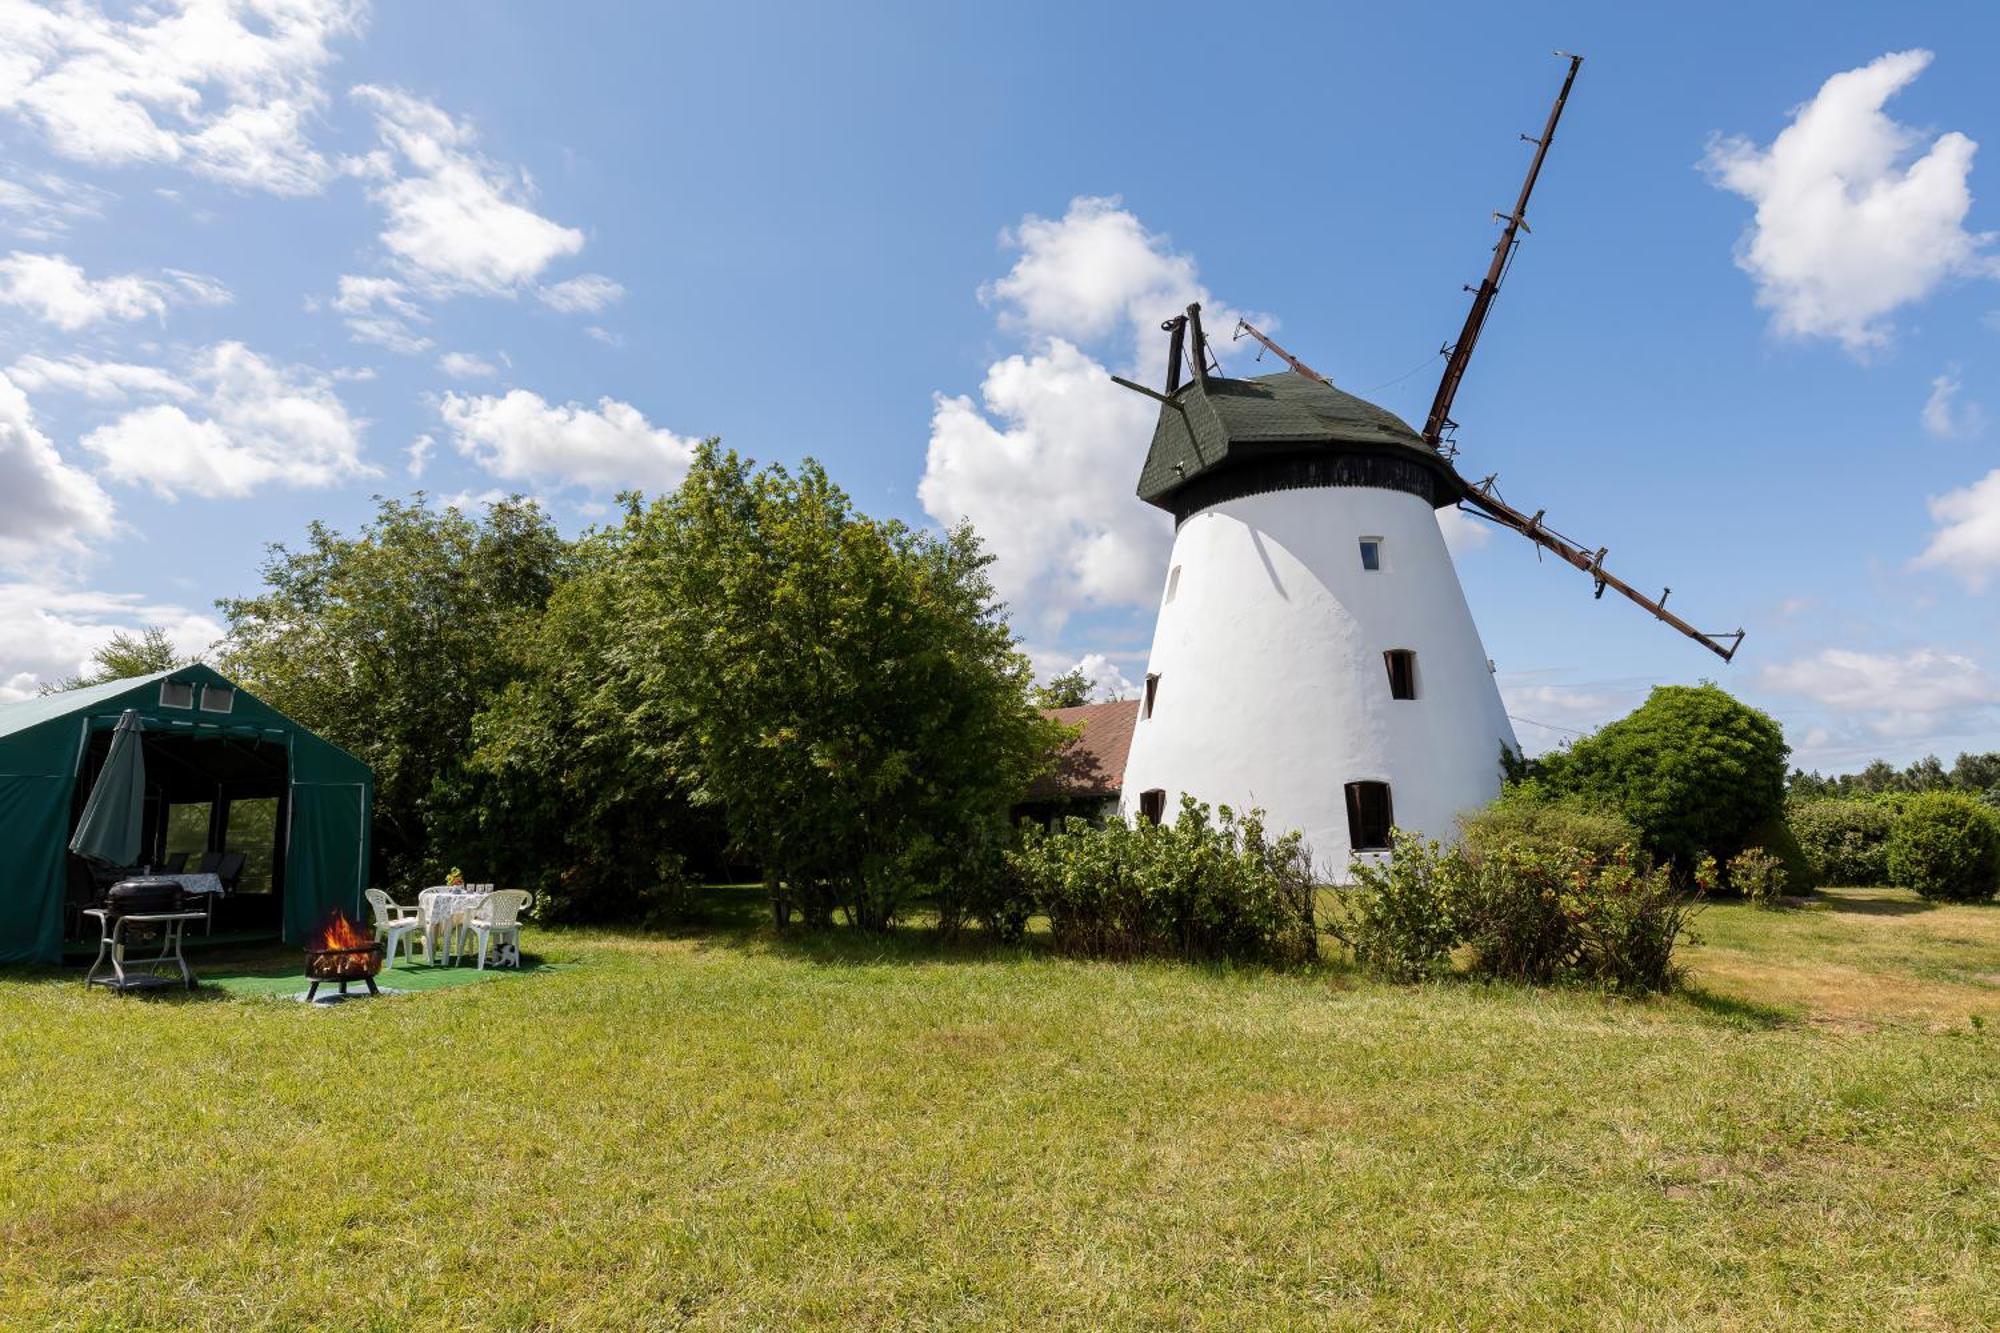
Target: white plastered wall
x,y
1273,691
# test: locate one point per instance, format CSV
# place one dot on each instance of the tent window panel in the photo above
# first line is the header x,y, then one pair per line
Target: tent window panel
x,y
253,831
176,694
187,830
1153,804
1402,663
217,699
1369,816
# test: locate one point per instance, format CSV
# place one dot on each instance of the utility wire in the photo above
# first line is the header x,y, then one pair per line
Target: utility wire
x,y
1516,717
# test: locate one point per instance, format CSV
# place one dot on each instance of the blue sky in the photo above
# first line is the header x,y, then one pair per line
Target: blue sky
x,y
266,260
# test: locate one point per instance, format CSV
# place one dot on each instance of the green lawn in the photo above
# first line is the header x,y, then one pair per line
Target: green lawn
x,y
730,1131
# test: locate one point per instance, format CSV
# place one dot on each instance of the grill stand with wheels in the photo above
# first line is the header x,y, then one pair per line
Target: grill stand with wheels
x,y
111,949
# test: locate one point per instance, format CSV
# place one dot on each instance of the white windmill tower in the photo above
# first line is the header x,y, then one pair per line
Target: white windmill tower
x,y
1314,654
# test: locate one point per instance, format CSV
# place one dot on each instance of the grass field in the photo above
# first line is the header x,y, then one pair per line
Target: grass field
x,y
731,1131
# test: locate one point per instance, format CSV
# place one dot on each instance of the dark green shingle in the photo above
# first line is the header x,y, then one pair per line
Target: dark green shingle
x,y
1231,421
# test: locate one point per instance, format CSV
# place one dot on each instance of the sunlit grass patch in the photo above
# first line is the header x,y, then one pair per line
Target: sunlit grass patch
x,y
724,1129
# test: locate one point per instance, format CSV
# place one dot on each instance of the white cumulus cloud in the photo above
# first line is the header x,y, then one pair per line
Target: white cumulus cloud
x,y
521,436
1906,696
1107,681
457,222
47,507
466,366
1945,416
1967,540
1043,463
1852,224
1546,715
49,630
103,381
59,292
228,90
256,424
379,310
42,205
586,292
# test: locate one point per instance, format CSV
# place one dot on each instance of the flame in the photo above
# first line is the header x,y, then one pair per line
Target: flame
x,y
341,933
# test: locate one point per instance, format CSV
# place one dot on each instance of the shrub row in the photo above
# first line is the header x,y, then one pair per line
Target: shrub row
x,y
1942,844
1202,887
1530,907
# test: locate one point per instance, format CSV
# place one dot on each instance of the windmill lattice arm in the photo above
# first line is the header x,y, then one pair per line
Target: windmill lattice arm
x,y
1491,506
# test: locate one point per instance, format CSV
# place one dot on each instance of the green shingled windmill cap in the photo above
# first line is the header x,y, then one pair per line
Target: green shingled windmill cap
x,y
1217,422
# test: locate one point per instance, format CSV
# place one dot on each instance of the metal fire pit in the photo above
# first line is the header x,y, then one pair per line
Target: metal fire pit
x,y
344,965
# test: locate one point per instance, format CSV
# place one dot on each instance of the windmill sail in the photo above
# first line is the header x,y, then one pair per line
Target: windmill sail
x,y
1482,497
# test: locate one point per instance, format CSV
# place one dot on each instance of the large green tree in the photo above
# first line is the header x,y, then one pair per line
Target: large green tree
x,y
390,642
124,655
843,689
1693,768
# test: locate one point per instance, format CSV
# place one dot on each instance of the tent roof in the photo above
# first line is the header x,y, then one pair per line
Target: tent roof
x,y
27,727
25,713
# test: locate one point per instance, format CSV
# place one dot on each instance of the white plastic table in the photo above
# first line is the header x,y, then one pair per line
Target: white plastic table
x,y
111,948
444,911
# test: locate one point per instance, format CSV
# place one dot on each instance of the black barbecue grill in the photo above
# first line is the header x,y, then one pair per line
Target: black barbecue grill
x,y
134,908
142,896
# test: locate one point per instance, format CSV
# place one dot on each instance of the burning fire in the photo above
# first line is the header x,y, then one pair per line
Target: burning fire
x,y
340,933
342,951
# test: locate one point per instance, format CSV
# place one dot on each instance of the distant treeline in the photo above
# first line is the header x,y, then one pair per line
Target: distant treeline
x,y
1974,774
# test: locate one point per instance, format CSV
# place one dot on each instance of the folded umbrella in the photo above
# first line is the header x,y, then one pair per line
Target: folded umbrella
x,y
110,828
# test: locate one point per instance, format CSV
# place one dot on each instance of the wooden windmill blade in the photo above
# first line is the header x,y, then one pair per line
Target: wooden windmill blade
x,y
1491,506
1482,497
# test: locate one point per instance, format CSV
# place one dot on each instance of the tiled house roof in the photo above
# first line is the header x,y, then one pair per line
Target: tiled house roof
x,y
1092,765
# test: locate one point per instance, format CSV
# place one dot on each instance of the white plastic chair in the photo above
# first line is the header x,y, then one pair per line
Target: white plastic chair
x,y
395,924
497,919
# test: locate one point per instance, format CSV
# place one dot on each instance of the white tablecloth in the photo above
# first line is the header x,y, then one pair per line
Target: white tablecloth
x,y
194,883
441,910
437,908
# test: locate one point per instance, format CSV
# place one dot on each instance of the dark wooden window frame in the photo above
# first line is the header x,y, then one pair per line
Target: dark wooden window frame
x,y
1153,804
1152,689
1368,823
1402,665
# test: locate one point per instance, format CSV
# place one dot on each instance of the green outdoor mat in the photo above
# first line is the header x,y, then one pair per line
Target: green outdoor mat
x,y
401,979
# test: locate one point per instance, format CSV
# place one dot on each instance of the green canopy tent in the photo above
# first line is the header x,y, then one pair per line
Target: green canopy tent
x,y
206,744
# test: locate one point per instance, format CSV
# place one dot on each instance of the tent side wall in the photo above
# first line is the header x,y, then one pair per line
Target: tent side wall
x,y
34,826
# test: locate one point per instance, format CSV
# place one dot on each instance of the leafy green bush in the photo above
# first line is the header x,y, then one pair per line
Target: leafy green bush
x,y
978,883
1758,876
1401,916
1531,910
1201,887
1845,841
1636,919
1692,768
1775,838
1945,845
1531,811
